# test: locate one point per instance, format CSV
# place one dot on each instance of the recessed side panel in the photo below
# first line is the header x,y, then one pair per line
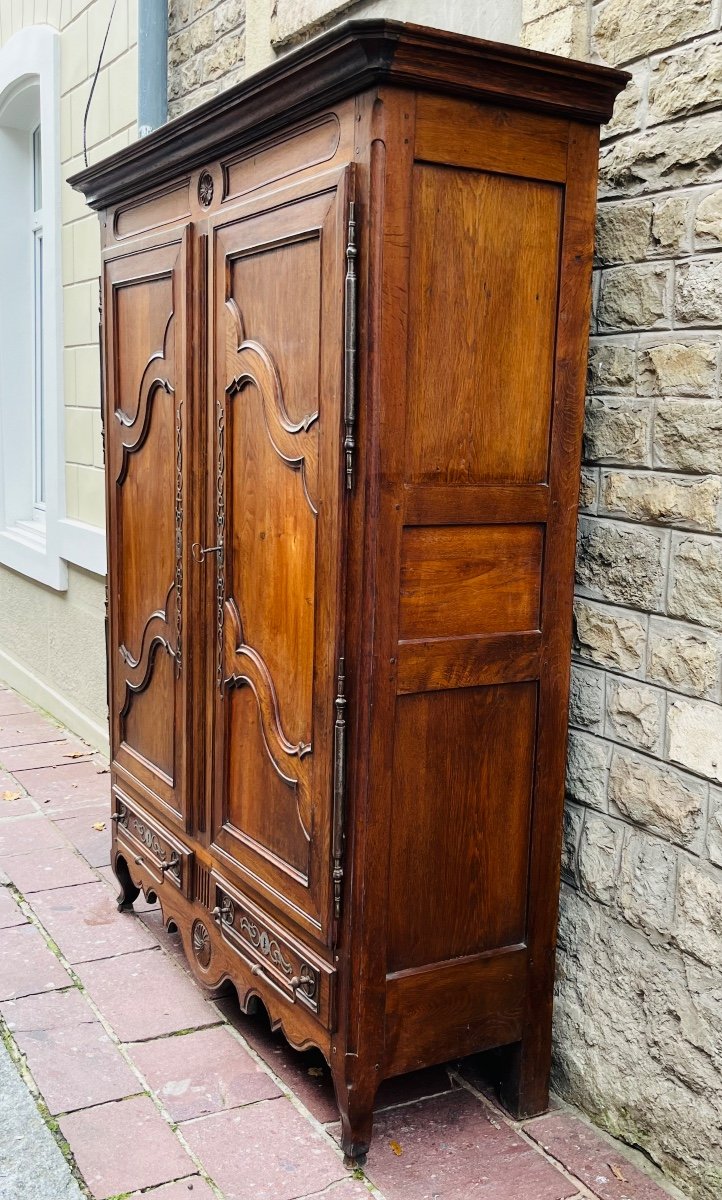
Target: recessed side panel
x,y
470,579
462,785
483,285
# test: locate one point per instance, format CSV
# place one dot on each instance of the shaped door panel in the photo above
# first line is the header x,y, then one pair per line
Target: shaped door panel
x,y
278,311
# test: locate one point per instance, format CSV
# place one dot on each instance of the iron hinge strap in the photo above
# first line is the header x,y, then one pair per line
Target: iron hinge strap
x,y
350,325
339,788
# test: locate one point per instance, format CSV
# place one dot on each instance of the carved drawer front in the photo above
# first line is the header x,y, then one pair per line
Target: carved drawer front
x,y
276,958
149,845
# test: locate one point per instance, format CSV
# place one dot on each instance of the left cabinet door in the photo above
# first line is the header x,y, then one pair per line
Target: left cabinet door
x,y
147,420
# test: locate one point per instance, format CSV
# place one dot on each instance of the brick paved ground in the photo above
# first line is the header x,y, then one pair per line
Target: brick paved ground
x,y
152,1089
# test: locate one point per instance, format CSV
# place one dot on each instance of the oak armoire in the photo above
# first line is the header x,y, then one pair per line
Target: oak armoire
x,y
344,334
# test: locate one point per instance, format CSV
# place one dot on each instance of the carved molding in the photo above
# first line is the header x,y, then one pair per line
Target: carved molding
x,y
254,366
178,534
155,630
167,857
244,666
154,379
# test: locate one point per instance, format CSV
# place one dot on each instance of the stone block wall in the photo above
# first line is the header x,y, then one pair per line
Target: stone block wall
x,y
206,50
638,1018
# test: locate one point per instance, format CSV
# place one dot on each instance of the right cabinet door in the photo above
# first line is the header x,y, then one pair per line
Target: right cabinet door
x,y
277,434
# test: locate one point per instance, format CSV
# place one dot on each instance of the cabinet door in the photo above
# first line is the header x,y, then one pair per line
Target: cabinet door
x,y
145,429
278,440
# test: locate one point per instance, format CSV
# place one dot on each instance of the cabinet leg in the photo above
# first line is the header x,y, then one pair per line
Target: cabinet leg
x,y
356,1109
128,891
524,1079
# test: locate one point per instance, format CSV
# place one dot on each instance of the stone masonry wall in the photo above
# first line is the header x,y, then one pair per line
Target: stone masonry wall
x,y
638,1018
206,50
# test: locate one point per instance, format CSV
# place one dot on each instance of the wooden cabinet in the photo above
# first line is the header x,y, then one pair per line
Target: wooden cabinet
x,y
345,312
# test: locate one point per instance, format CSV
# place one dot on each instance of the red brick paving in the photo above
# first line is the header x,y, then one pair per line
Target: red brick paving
x,y
76,1066
27,965
58,867
144,995
86,925
453,1146
48,1011
266,1151
203,1072
125,1146
28,834
10,912
592,1159
254,1142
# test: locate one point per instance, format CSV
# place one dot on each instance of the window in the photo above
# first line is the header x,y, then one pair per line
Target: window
x,y
31,402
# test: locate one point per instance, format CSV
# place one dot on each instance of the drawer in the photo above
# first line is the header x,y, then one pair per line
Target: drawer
x,y
274,955
149,845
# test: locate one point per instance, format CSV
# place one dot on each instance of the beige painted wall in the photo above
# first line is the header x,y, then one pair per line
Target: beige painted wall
x,y
52,642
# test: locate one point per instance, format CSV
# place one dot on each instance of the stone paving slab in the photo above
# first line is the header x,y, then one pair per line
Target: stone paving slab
x,y
124,1045
31,1164
124,1147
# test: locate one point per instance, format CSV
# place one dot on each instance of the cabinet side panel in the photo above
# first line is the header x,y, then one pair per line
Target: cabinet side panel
x,y
485,253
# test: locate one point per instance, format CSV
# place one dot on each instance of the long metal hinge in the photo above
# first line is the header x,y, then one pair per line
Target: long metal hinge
x,y
349,407
339,788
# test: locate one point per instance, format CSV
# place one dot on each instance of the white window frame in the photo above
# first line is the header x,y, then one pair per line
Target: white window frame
x,y
31,57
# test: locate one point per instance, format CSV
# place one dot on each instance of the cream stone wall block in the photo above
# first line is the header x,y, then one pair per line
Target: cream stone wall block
x,y
618,430
586,701
622,563
623,231
79,435
684,658
657,797
683,82
695,591
670,233
565,31
698,925
91,496
224,56
587,767
678,368
571,835
86,248
98,452
708,218
78,314
647,870
74,56
664,499
714,827
635,714
206,50
123,91
670,155
612,366
71,491
121,35
626,109
628,29
699,292
87,376
589,489
694,730
688,435
600,849
609,637
634,297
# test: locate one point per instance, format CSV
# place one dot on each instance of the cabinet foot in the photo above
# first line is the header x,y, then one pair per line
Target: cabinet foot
x,y
356,1109
128,891
524,1080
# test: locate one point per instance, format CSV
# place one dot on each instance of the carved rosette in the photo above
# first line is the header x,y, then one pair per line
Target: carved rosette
x,y
201,940
205,189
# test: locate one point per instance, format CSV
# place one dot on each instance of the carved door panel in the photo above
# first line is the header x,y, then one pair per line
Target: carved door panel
x,y
145,431
278,448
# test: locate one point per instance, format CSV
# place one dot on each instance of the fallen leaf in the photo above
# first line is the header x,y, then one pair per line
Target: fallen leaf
x,y
77,754
103,771
396,1149
315,1070
12,795
99,825
615,1171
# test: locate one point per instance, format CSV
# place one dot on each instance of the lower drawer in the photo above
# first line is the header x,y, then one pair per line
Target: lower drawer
x,y
149,844
275,956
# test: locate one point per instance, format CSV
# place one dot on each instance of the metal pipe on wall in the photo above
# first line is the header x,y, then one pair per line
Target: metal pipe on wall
x,y
152,65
